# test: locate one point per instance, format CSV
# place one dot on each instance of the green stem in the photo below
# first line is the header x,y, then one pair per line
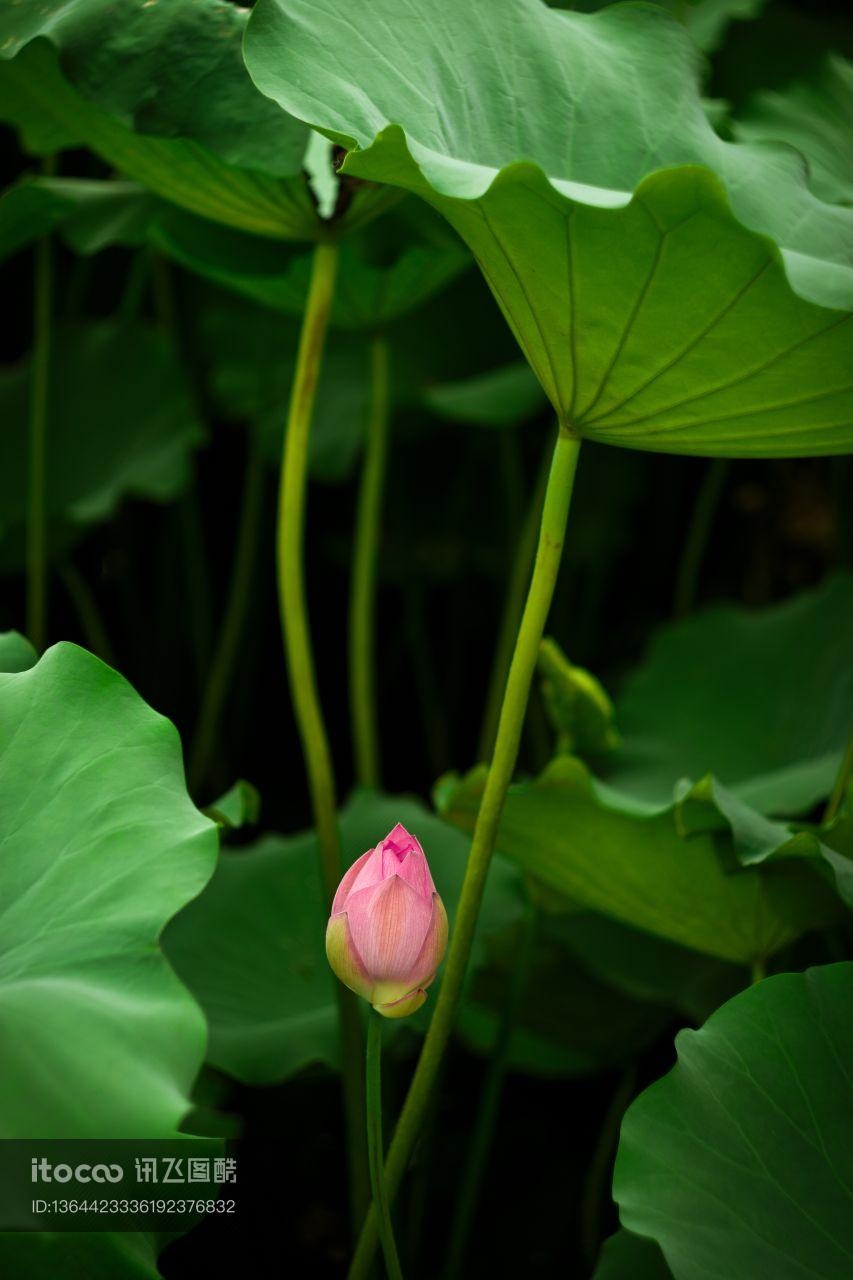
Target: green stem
x,y
233,621
696,541
37,504
839,789
291,568
300,667
552,532
596,1179
513,604
481,1142
758,970
375,1149
83,599
362,622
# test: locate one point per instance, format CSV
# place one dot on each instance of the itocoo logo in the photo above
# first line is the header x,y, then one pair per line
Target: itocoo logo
x,y
43,1171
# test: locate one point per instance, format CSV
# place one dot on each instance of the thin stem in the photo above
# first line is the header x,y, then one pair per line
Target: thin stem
x,y
300,667
552,532
696,541
758,970
83,599
839,789
596,1179
233,621
519,578
481,1142
40,390
291,568
362,620
375,1149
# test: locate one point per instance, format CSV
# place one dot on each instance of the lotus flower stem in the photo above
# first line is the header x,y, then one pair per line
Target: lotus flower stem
x,y
37,504
362,620
555,513
375,1149
291,568
300,666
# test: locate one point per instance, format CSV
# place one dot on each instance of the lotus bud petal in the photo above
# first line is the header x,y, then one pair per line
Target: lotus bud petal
x,y
387,933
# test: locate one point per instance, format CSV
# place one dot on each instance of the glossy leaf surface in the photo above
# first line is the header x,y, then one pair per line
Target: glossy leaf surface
x,y
101,1039
739,1162
670,290
566,831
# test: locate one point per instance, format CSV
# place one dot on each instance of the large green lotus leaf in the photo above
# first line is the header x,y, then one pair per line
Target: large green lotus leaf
x,y
562,830
764,700
628,1257
100,846
670,290
79,1255
739,1162
121,422
367,295
814,116
186,123
251,947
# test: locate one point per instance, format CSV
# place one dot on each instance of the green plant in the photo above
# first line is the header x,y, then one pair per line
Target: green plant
x,y
294,198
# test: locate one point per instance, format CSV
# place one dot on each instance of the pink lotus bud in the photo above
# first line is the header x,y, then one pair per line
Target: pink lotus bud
x,y
387,933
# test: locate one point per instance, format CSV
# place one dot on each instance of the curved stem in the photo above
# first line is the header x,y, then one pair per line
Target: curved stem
x,y
522,563
362,619
552,531
696,541
375,1149
233,620
37,479
300,668
481,1142
291,569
